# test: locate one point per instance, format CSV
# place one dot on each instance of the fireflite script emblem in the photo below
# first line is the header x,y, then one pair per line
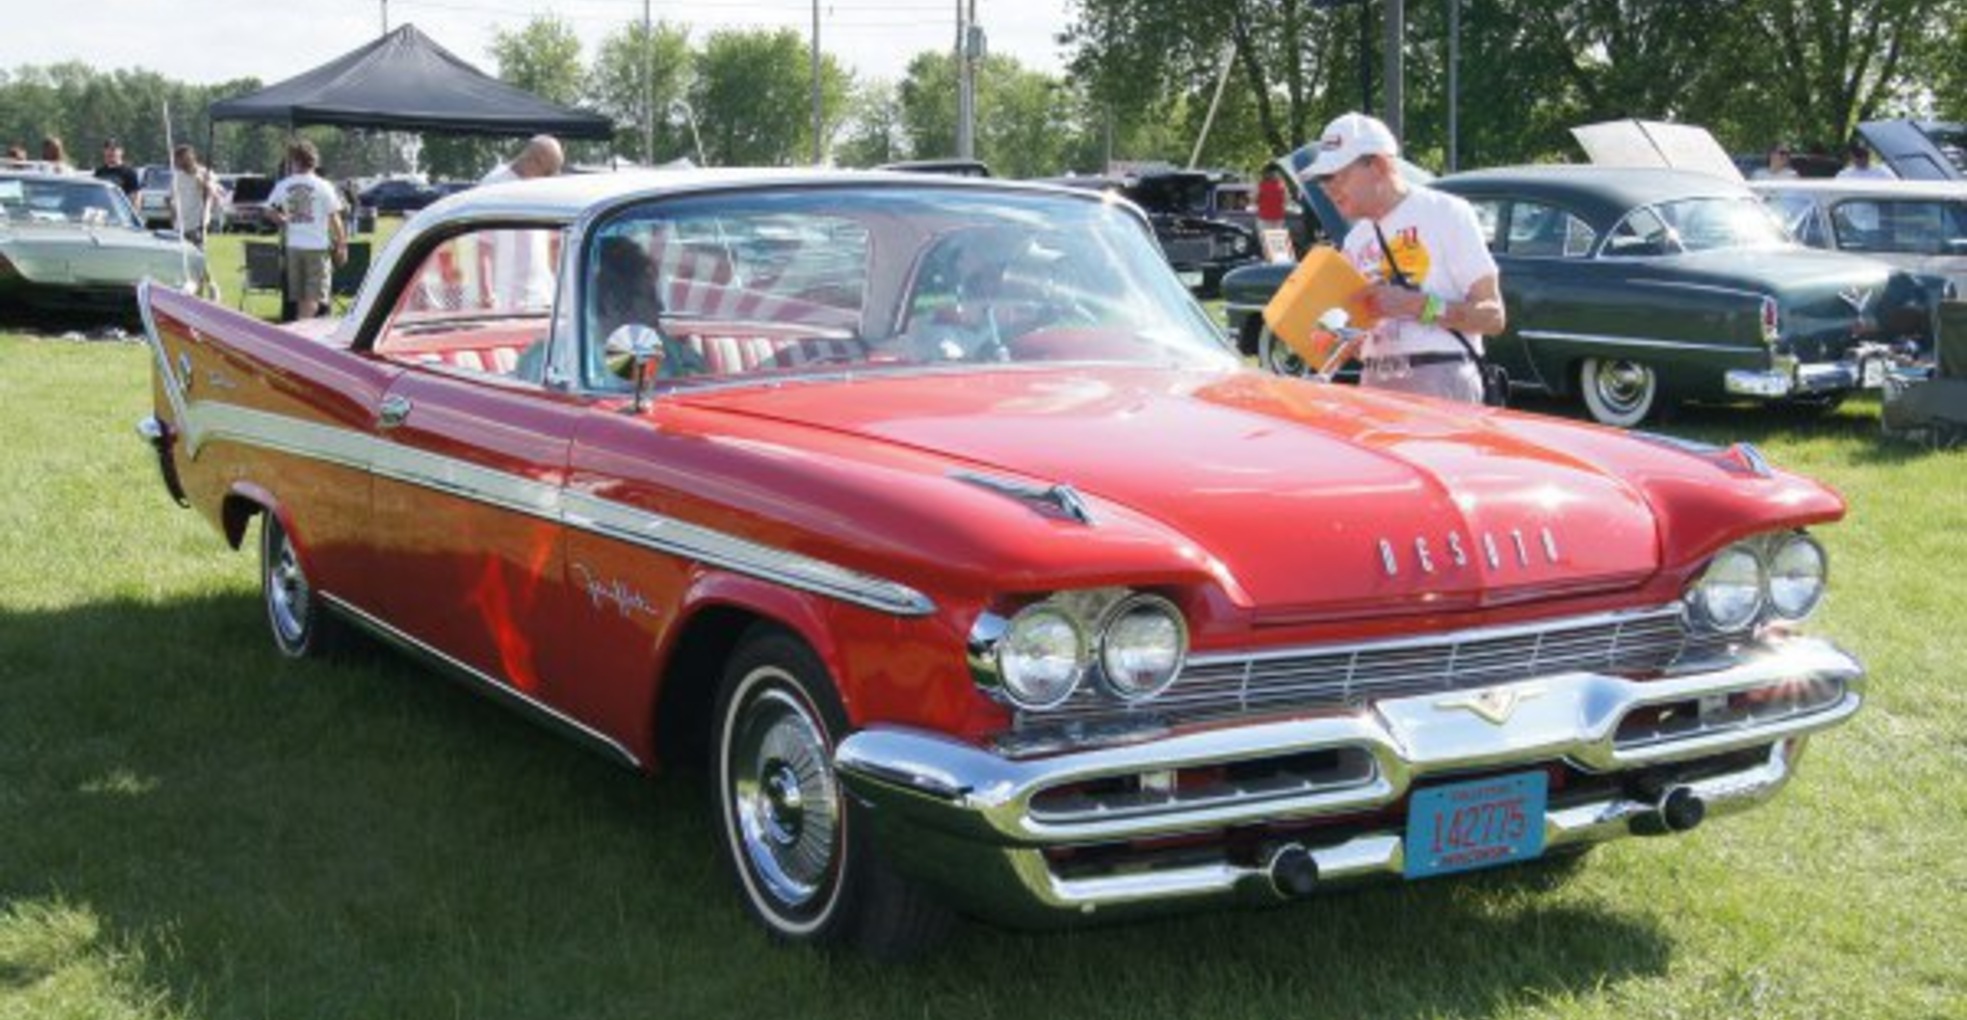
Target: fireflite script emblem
x,y
626,600
1454,552
1495,704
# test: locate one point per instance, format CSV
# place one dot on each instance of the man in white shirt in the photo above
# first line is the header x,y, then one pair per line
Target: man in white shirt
x,y
195,200
309,209
1862,168
1423,251
521,273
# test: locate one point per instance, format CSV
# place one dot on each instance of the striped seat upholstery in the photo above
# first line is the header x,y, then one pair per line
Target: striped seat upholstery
x,y
729,355
489,360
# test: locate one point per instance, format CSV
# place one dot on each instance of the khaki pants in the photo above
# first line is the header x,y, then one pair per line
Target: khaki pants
x,y
308,273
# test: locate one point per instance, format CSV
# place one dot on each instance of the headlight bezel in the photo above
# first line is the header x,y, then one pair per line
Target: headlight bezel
x,y
1762,551
1093,613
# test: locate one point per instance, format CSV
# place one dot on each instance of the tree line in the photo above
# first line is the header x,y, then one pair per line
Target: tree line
x,y
1139,80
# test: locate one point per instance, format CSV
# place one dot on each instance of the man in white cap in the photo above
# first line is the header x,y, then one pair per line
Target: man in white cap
x,y
1431,272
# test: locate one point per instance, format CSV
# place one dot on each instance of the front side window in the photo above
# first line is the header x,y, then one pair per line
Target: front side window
x,y
778,282
1798,214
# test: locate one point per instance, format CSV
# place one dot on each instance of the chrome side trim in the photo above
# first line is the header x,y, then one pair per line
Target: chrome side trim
x,y
1632,341
208,421
478,681
1707,288
669,535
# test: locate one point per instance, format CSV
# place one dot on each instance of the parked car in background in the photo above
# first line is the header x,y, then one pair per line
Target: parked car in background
x,y
935,518
1919,150
1235,202
153,198
245,203
1636,288
1200,246
399,195
1919,226
71,244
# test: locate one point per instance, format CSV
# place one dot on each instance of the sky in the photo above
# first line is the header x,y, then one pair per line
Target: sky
x,y
207,41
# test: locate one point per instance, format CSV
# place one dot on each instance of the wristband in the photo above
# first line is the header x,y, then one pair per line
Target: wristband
x,y
1432,308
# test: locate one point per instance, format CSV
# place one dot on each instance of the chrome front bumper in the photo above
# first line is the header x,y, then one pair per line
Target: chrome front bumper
x,y
976,826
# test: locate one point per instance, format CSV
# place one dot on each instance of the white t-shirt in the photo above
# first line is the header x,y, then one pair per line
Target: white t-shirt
x,y
192,207
308,200
1873,172
522,262
1440,247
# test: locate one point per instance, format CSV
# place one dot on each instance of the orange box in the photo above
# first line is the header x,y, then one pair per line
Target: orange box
x,y
1324,280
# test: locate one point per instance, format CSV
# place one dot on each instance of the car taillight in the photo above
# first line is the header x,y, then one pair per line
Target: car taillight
x,y
1772,321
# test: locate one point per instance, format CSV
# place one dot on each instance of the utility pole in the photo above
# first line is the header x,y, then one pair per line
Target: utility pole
x,y
1396,72
648,91
966,95
1454,84
817,143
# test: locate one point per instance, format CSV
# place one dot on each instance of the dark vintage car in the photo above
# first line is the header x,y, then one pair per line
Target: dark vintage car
x,y
245,203
398,196
1636,288
936,518
1918,226
1201,246
72,245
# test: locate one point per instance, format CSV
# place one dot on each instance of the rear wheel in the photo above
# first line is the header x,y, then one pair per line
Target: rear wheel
x,y
302,627
1618,392
795,840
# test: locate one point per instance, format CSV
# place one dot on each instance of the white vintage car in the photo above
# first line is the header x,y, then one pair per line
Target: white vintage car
x,y
70,243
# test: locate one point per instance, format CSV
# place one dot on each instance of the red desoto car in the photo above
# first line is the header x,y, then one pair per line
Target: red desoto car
x,y
947,533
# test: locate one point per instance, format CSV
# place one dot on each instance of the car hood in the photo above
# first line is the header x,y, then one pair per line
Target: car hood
x,y
52,254
1291,494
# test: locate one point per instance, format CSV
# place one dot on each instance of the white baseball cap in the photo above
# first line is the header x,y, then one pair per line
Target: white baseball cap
x,y
1347,138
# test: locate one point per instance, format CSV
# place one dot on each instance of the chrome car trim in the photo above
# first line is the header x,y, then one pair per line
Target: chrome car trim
x,y
667,534
1019,883
1227,684
973,793
173,386
1629,341
481,682
207,421
1060,498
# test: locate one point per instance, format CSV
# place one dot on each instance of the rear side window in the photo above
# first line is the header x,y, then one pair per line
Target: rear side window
x,y
1912,227
1537,230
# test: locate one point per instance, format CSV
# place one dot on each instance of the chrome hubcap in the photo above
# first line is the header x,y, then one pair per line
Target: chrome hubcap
x,y
786,800
1622,384
287,592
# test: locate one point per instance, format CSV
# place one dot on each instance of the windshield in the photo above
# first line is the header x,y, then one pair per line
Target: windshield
x,y
83,202
1696,224
883,279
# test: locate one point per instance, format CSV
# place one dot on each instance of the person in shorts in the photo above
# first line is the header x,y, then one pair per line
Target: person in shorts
x,y
308,209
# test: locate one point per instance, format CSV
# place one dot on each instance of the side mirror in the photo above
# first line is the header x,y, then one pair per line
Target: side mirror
x,y
635,352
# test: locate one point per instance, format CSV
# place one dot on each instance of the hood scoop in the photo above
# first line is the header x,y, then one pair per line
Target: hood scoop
x,y
1058,500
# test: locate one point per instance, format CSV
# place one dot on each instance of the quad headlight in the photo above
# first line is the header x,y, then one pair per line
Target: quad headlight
x,y
1142,647
1042,656
1780,575
1132,644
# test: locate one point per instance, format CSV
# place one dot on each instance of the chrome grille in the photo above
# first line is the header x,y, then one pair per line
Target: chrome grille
x,y
1328,677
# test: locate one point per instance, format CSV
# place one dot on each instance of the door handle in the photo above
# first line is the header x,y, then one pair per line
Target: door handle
x,y
392,412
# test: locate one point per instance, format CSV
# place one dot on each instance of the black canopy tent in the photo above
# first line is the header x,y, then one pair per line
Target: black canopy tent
x,y
405,82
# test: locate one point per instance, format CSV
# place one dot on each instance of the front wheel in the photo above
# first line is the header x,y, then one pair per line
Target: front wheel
x,y
1277,356
793,837
1618,392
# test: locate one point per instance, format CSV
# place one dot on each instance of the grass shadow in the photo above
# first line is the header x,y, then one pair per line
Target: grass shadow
x,y
359,838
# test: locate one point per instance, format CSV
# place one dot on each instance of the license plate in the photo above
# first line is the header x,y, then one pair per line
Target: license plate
x,y
1190,280
1873,373
1477,824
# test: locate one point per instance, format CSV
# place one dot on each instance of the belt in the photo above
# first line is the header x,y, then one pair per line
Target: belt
x,y
1393,362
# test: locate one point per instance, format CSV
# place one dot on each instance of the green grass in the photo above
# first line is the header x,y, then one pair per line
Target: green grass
x,y
193,827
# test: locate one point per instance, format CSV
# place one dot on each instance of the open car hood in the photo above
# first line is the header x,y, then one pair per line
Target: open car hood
x,y
1650,143
1303,498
